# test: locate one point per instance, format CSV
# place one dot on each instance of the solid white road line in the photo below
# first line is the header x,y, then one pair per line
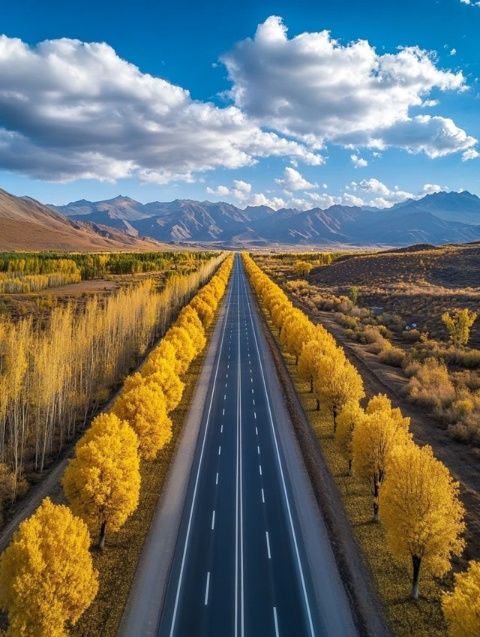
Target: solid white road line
x,y
268,545
284,486
197,476
275,621
213,519
207,588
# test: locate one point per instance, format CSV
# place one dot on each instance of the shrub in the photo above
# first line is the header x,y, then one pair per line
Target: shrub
x,y
347,321
391,355
412,336
431,386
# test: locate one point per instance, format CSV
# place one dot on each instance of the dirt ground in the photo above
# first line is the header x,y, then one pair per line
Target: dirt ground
x,y
462,460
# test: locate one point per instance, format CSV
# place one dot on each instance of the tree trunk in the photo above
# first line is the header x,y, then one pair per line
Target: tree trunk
x,y
334,410
318,405
103,532
416,563
296,359
376,516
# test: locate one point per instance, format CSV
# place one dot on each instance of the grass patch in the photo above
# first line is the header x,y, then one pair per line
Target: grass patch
x,y
406,617
118,563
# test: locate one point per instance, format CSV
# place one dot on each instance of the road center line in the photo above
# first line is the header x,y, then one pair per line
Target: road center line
x,y
268,545
213,519
263,496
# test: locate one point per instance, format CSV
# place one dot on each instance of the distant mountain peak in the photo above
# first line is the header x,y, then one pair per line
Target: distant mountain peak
x,y
436,218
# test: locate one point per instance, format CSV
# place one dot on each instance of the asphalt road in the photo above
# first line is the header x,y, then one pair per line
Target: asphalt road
x,y
252,556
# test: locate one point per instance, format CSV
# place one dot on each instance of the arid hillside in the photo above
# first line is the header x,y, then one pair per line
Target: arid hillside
x,y
26,224
417,283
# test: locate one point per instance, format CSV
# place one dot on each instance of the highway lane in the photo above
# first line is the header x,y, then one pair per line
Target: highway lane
x,y
240,564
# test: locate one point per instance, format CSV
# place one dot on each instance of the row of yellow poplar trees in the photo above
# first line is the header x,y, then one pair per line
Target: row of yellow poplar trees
x,y
47,577
413,493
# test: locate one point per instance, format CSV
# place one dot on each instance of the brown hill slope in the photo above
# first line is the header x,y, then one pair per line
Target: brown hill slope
x,y
26,224
449,266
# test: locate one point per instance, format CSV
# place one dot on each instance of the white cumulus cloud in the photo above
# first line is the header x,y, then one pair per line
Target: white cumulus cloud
x,y
293,180
70,110
358,162
318,90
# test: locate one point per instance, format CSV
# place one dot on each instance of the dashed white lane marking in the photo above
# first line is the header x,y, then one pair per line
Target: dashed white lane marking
x,y
255,415
275,621
224,396
253,401
268,545
207,588
221,429
260,469
213,519
263,496
252,391
256,431
251,380
216,478
219,449
258,450
223,412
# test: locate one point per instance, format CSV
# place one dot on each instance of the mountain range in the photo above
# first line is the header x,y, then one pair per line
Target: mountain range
x,y
26,224
443,217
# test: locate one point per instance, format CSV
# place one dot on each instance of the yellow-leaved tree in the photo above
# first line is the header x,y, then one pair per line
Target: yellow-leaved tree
x,y
462,606
47,579
458,325
374,437
102,481
336,382
184,348
188,318
164,375
145,410
350,414
421,511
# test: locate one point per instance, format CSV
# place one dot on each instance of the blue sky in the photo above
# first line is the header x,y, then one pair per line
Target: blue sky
x,y
246,102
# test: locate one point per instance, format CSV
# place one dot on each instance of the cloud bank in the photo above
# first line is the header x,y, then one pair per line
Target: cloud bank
x,y
320,91
71,110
